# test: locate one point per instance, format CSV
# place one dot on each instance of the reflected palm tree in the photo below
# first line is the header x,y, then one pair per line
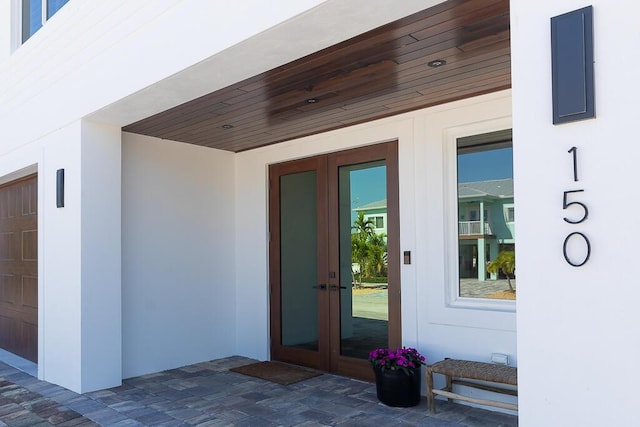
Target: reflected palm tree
x,y
361,232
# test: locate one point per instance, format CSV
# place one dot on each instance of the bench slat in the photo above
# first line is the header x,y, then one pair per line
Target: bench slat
x,y
487,387
495,403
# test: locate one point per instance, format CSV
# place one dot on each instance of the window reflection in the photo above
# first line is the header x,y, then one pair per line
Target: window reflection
x,y
486,216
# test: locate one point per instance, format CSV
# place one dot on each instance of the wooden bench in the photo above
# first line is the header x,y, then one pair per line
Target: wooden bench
x,y
458,371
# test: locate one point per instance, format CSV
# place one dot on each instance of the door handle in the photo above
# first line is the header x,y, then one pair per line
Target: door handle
x,y
321,286
335,287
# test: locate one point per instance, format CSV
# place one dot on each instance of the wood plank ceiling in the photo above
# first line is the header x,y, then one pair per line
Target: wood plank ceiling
x,y
380,73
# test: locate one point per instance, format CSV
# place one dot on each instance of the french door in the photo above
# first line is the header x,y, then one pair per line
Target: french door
x,y
335,259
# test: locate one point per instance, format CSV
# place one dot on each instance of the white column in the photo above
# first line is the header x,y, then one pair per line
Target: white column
x,y
80,279
482,253
482,260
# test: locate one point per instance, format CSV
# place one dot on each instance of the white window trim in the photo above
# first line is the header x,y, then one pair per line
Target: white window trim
x,y
16,27
452,275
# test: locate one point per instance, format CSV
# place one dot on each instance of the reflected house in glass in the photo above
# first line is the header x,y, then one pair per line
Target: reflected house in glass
x,y
377,213
486,224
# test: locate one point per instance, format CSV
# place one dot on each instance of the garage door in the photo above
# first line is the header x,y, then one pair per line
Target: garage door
x,y
19,267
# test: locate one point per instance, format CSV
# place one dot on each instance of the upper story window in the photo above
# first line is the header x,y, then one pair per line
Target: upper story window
x,y
35,14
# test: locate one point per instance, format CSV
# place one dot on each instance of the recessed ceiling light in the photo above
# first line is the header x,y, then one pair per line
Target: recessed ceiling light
x,y
311,100
436,63
227,126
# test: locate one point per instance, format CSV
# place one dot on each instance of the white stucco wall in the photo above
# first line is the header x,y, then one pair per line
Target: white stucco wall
x,y
428,322
178,279
577,327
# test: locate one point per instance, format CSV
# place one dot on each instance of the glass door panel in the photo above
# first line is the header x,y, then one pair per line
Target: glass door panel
x,y
364,309
299,260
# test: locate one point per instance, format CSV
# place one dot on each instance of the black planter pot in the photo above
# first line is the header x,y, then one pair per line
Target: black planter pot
x,y
396,388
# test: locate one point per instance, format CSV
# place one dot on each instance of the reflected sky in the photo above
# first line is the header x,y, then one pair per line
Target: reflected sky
x,y
485,165
367,185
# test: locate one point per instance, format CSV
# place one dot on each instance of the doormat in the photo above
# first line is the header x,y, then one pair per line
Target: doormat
x,y
276,372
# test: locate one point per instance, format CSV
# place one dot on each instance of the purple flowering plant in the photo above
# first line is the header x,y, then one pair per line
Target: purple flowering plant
x,y
404,359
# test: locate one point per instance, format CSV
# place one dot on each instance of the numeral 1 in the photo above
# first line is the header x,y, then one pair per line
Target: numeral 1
x,y
574,151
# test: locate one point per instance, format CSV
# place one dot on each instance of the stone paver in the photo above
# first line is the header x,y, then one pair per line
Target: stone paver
x,y
208,394
22,407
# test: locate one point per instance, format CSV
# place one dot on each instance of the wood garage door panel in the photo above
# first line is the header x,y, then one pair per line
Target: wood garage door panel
x,y
29,341
7,203
30,292
9,290
29,198
19,267
30,245
7,246
11,332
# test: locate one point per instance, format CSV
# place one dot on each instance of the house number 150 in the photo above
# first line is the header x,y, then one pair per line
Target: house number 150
x,y
581,213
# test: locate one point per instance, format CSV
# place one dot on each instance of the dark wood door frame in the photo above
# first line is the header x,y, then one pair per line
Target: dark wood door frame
x,y
328,357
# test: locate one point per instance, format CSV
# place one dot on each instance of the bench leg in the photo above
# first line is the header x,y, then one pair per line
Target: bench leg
x,y
431,404
449,385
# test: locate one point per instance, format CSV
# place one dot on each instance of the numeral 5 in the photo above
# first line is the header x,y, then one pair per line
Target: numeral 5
x,y
566,204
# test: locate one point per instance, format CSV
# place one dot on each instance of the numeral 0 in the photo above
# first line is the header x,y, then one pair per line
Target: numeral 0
x,y
586,256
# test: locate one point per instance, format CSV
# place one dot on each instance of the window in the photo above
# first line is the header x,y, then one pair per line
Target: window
x,y
509,213
379,221
486,250
35,13
473,214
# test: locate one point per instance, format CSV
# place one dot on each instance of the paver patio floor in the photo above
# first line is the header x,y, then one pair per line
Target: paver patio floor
x,y
208,394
